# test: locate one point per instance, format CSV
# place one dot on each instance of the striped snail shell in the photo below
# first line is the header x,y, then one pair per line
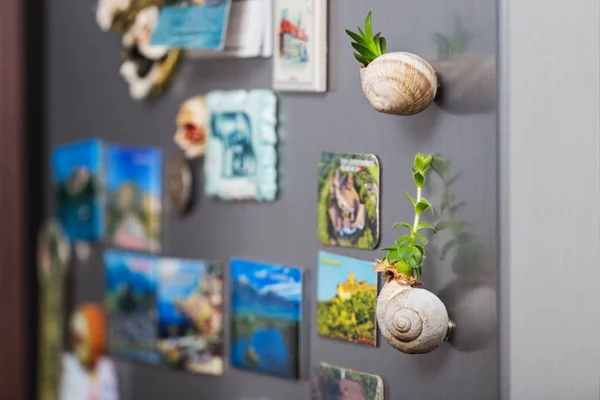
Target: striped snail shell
x,y
399,83
413,321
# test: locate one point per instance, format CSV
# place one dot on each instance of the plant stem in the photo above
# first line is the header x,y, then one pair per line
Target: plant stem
x,y
417,216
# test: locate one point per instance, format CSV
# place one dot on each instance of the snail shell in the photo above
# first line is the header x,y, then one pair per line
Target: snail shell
x,y
399,83
413,321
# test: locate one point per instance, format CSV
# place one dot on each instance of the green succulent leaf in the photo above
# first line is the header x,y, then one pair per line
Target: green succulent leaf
x,y
368,21
393,256
419,161
426,225
364,51
404,224
357,38
377,43
402,239
422,239
389,249
412,200
423,205
403,268
362,59
427,161
383,45
419,179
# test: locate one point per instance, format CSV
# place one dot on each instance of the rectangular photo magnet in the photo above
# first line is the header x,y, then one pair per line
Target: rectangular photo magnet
x,y
348,200
346,299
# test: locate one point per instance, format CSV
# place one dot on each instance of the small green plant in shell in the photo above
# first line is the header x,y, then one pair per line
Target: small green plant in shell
x,y
368,46
404,260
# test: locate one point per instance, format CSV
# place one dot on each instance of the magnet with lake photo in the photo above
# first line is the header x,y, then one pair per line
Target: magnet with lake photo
x,y
348,200
134,199
190,315
330,382
130,302
346,299
179,184
266,315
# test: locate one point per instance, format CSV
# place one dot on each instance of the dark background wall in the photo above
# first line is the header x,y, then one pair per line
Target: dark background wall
x,y
86,97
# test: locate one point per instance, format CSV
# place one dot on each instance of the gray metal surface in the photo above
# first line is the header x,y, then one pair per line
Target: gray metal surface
x,y
550,285
86,97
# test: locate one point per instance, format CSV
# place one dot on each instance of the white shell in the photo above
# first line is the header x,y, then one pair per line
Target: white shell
x,y
399,83
412,320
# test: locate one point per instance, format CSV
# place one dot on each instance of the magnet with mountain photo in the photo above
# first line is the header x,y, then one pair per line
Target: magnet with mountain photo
x,y
266,315
348,200
346,299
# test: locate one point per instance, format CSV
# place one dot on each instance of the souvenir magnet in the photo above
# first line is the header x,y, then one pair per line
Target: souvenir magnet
x,y
347,298
79,383
179,182
77,170
53,257
241,153
330,382
192,119
134,201
348,203
131,305
190,315
88,330
266,314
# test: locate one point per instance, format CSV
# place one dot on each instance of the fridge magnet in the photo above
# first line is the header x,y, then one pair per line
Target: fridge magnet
x,y
133,180
300,44
330,382
241,155
78,383
348,207
147,68
179,184
88,330
131,305
346,299
266,309
198,24
397,83
412,320
78,184
53,257
192,121
190,315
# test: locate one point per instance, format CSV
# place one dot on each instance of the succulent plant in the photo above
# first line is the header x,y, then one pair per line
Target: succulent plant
x,y
404,260
367,46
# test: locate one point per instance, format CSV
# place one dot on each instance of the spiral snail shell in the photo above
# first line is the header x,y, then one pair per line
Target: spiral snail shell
x,y
413,321
399,83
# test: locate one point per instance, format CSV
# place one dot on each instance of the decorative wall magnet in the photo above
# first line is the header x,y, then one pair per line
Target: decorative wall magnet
x,y
78,383
412,320
134,185
190,315
193,25
77,170
397,83
147,68
192,121
330,382
53,257
179,184
347,296
300,45
88,333
131,305
241,154
266,311
348,208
